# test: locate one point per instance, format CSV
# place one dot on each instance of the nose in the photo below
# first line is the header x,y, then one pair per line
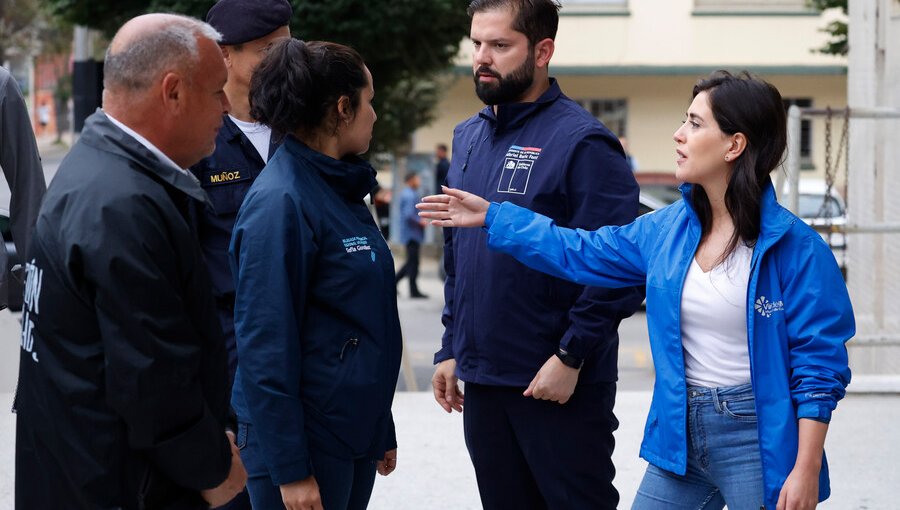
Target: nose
x,y
482,56
678,136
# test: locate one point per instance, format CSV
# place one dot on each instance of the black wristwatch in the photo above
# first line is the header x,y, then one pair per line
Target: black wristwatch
x,y
568,359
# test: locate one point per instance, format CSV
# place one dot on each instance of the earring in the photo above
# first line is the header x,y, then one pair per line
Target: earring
x,y
727,158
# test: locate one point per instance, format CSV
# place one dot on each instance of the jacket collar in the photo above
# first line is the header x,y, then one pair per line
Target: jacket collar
x,y
231,133
512,115
351,177
774,219
101,133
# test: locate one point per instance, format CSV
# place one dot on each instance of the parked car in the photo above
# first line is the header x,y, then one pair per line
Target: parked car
x,y
16,287
827,214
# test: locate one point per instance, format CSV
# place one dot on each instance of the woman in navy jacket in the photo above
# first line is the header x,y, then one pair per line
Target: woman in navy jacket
x,y
318,334
726,259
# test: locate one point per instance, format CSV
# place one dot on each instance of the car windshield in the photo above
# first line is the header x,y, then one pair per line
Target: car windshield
x,y
664,193
814,206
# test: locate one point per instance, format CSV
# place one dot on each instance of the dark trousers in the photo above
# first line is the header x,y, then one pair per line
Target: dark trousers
x,y
410,268
344,484
536,454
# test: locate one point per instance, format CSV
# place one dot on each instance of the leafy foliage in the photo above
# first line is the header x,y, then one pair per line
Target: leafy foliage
x,y
839,42
406,44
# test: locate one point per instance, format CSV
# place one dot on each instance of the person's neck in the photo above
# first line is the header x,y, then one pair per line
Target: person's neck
x,y
238,96
537,89
328,146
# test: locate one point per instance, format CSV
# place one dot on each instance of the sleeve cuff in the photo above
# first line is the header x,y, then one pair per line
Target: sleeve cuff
x,y
294,472
198,458
814,411
492,211
444,354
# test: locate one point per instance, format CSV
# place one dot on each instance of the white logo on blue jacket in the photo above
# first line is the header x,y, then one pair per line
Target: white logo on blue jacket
x,y
517,167
766,308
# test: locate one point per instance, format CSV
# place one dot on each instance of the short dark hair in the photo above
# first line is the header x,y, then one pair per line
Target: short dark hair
x,y
410,176
537,19
442,147
297,85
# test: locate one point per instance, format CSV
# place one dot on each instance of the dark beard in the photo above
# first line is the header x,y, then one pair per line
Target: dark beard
x,y
510,88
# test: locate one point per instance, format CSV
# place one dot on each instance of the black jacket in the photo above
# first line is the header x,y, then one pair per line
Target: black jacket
x,y
122,399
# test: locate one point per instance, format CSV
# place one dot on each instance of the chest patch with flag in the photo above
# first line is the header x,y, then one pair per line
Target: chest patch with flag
x,y
517,166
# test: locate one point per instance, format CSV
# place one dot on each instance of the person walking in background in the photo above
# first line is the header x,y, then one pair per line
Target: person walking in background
x,y
441,166
21,166
318,333
123,387
412,232
249,28
747,309
537,354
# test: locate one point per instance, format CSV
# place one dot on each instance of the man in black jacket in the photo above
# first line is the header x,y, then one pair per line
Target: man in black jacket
x,y
123,390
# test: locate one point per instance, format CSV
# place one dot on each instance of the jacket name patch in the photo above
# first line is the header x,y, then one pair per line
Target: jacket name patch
x,y
517,166
227,177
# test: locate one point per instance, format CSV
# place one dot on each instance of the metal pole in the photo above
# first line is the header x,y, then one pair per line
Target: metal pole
x,y
793,159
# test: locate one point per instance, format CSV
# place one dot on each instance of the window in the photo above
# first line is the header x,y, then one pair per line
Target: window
x,y
725,7
805,131
613,113
576,7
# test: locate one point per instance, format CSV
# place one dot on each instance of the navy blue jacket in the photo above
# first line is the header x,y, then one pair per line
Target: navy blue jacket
x,y
318,333
503,320
226,176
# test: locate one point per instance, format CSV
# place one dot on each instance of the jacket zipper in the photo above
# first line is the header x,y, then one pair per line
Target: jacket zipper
x,y
352,342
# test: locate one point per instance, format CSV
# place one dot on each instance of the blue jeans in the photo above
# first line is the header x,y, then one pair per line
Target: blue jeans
x,y
724,465
344,484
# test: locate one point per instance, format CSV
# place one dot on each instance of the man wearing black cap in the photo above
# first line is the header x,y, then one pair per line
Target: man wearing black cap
x,y
243,146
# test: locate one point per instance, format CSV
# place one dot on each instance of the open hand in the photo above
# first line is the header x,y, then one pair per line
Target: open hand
x,y
454,208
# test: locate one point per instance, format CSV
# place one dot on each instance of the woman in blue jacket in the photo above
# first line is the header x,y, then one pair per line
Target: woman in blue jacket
x,y
747,310
318,333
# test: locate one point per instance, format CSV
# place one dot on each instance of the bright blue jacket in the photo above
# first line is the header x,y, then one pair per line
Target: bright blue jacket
x,y
798,316
318,334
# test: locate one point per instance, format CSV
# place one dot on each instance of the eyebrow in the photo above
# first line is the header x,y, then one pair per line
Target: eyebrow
x,y
694,116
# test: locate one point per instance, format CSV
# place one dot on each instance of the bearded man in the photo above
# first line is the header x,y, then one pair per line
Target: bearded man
x,y
537,354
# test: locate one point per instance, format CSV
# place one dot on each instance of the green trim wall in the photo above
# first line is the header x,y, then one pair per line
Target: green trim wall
x,y
813,13
691,70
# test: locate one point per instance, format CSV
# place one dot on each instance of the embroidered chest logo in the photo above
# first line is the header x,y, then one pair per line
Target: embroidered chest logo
x,y
766,308
517,166
358,244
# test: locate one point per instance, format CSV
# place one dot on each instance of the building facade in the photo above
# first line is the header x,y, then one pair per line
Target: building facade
x,y
633,63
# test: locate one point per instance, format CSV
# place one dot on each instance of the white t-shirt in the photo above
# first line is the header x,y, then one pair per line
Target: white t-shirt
x,y
714,322
259,134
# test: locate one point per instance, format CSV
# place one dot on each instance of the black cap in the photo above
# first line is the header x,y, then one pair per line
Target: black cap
x,y
240,21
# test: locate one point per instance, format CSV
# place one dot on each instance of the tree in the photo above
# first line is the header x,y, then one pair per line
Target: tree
x,y
839,44
406,44
17,30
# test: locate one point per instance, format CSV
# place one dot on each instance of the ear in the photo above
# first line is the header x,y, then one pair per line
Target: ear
x,y
226,54
543,52
344,110
738,144
173,92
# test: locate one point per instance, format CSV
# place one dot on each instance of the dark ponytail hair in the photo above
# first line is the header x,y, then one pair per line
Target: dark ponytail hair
x,y
744,104
297,85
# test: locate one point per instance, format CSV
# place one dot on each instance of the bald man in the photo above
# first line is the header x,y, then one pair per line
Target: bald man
x,y
123,386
